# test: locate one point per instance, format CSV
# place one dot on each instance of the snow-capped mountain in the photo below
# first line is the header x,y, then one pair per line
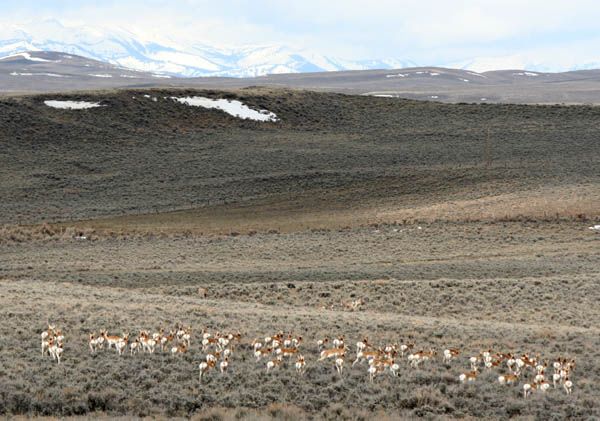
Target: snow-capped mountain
x,y
123,48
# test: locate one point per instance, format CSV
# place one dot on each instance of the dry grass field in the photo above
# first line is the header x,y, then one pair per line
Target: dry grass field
x,y
191,217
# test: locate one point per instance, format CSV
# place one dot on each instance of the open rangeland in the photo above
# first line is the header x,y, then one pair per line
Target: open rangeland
x,y
458,230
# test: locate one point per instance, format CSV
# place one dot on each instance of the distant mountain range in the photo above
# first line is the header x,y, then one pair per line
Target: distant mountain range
x,y
59,72
122,48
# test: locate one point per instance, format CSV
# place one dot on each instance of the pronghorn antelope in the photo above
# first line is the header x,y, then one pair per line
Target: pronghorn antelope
x,y
134,347
300,365
391,349
405,348
449,354
213,357
372,371
528,389
568,386
474,361
224,365
165,340
420,357
292,341
338,342
56,351
210,341
273,363
179,349
540,377
366,356
470,376
322,343
332,353
362,345
93,342
394,368
121,345
148,343
46,344
110,340
256,345
296,341
339,365
262,353
508,378
187,336
49,331
556,378
288,352
353,305
204,367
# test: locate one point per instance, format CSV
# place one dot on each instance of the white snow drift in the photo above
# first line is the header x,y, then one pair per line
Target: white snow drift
x,y
232,107
72,105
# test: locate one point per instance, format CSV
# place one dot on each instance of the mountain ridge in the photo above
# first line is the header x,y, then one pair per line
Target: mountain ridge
x,y
123,48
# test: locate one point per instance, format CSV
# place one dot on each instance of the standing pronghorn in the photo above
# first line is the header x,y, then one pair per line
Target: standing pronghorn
x,y
469,376
205,367
508,378
362,345
568,386
332,353
339,365
46,344
271,364
300,365
224,365
121,345
406,347
528,389
179,349
322,343
93,342
449,354
110,340
56,350
47,336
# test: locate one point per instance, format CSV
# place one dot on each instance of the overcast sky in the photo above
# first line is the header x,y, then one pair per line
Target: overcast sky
x,y
427,32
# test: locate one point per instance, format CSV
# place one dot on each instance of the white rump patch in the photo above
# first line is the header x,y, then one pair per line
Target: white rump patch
x,y
72,105
232,107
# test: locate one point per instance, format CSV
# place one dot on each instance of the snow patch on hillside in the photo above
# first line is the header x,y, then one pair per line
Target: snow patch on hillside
x,y
37,74
72,105
231,107
29,57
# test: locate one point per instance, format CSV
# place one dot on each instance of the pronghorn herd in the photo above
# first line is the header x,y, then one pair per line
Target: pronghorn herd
x,y
52,342
177,341
279,350
532,370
